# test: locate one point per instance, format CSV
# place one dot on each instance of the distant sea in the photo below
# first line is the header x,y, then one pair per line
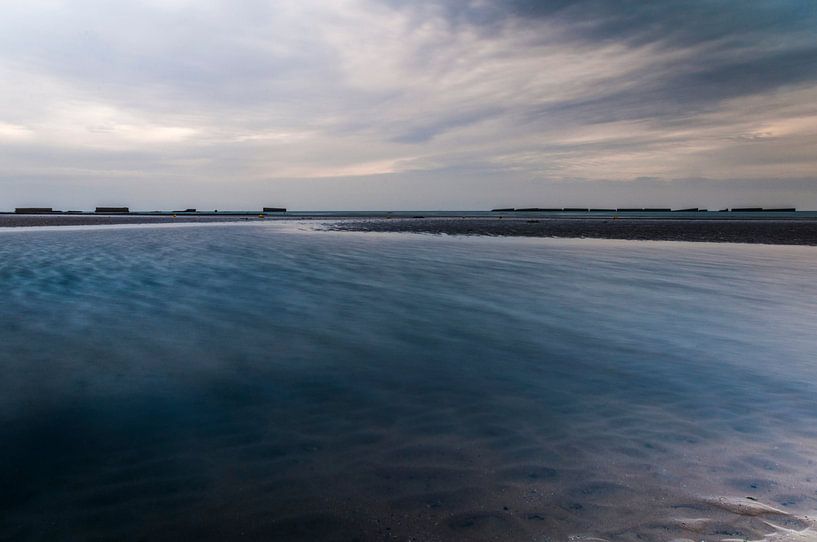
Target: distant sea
x,y
266,381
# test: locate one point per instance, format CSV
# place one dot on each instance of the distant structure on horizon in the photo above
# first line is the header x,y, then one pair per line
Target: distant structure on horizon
x,y
112,210
639,210
33,210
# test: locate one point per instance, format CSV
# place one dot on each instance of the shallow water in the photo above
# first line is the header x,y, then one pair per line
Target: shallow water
x,y
258,381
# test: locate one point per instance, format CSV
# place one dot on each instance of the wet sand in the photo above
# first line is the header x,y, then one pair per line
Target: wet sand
x,y
773,231
765,231
452,475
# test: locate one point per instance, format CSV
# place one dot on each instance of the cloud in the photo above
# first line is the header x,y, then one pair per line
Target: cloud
x,y
260,97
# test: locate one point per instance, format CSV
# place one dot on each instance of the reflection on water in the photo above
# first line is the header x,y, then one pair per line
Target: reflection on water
x,y
255,381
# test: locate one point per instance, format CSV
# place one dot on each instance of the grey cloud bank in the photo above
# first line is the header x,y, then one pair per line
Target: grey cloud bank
x,y
401,105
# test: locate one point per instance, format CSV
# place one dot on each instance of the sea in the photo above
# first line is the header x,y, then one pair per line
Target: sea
x,y
276,381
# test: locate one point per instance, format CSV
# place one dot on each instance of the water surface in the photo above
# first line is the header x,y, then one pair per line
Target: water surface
x,y
259,381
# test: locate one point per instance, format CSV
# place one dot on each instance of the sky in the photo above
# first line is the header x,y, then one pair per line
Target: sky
x,y
397,104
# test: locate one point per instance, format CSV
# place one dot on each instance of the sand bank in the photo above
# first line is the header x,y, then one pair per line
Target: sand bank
x,y
766,231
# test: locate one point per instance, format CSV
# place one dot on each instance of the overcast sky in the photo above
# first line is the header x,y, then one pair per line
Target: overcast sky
x,y
376,104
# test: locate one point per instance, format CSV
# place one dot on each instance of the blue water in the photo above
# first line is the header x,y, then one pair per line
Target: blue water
x,y
269,382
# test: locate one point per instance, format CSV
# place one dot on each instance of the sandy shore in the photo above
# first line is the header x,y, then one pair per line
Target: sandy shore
x,y
801,231
766,231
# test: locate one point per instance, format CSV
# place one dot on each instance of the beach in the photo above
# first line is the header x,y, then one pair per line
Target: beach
x,y
727,230
764,230
408,271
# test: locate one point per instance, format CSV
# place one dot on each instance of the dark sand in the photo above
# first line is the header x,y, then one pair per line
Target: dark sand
x,y
766,231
